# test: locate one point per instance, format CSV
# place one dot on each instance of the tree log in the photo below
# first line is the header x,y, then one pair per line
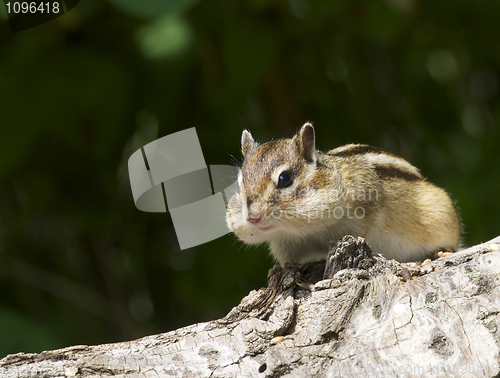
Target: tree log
x,y
362,316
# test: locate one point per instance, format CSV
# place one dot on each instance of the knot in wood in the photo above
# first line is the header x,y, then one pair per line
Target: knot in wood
x,y
348,253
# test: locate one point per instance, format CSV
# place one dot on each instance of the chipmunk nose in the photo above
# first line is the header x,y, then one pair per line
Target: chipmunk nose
x,y
254,216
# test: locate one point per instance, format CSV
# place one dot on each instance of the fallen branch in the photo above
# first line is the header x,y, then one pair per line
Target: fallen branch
x,y
363,316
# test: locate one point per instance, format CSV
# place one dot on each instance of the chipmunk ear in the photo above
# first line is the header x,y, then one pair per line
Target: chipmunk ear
x,y
247,142
307,142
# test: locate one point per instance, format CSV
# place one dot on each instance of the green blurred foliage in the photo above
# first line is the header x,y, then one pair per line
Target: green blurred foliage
x,y
80,265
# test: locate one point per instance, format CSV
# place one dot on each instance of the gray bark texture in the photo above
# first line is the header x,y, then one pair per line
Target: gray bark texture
x,y
360,316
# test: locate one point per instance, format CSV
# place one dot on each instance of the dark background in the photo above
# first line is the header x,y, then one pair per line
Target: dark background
x,y
79,264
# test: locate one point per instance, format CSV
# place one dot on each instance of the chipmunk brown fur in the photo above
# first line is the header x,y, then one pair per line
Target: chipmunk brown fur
x,y
297,199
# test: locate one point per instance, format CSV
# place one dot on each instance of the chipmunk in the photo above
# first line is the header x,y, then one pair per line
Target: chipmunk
x,y
298,199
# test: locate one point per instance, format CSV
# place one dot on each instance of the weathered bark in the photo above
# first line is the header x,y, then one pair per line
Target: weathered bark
x,y
373,318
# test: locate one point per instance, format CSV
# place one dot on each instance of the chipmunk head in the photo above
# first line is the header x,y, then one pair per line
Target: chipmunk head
x,y
274,179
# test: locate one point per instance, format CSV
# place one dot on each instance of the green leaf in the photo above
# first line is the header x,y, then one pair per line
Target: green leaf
x,y
164,37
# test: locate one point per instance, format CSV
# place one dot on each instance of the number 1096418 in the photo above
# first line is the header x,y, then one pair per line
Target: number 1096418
x,y
33,7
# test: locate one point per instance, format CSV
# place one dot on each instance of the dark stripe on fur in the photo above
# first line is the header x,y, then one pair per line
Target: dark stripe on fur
x,y
360,150
391,171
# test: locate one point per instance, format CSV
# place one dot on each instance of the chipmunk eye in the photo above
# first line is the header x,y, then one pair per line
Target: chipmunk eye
x,y
284,180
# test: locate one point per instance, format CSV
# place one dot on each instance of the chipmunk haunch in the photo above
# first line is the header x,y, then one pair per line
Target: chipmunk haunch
x,y
297,199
